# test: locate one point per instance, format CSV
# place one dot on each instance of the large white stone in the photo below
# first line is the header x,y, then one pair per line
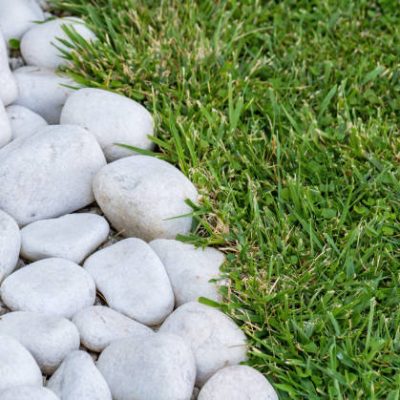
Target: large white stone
x,y
78,379
145,197
8,85
42,91
40,44
17,366
52,286
48,174
27,393
48,338
190,269
5,127
73,237
10,244
133,280
98,326
17,16
23,121
112,118
215,339
156,367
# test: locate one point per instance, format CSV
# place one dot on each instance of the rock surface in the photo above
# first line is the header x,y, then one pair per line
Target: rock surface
x,y
48,174
142,197
236,383
189,269
133,280
23,121
42,91
156,367
17,366
8,85
5,127
28,393
40,44
52,286
49,339
78,378
10,244
214,338
98,326
73,237
112,118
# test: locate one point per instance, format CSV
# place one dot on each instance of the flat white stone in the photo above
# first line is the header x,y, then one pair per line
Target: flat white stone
x,y
17,366
40,44
27,393
98,326
237,383
10,244
145,197
42,91
133,280
215,339
17,16
155,367
48,338
190,269
23,121
8,85
73,237
52,286
48,174
78,378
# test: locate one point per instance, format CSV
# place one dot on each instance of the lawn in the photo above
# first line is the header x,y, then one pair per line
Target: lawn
x,y
286,116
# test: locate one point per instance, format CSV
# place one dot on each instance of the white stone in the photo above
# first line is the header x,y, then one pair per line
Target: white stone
x,y
78,379
215,339
156,367
113,119
190,269
73,237
145,197
42,91
8,85
27,393
40,44
48,338
48,174
10,244
5,127
23,121
52,286
133,280
17,366
236,383
98,326
17,16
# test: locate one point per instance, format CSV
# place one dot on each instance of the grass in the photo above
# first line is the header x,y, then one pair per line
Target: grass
x,y
286,117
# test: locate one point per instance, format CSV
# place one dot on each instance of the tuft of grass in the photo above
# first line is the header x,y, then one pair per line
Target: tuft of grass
x,y
286,117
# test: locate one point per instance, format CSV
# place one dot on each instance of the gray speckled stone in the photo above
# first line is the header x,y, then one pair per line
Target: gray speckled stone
x,y
77,378
237,383
27,393
73,237
133,280
23,121
112,118
8,85
10,244
155,367
142,196
190,269
49,339
48,174
17,366
215,339
53,286
5,127
99,326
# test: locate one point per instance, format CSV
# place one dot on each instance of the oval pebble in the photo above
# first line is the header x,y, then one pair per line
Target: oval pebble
x,y
8,84
145,197
27,393
23,121
5,127
215,339
52,286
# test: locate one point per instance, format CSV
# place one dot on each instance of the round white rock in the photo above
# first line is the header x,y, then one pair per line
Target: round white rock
x,y
23,121
5,127
27,393
8,84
